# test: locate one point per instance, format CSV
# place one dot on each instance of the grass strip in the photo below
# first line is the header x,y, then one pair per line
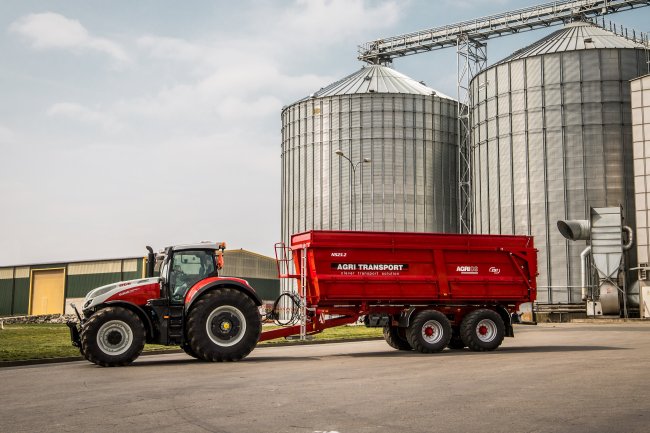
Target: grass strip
x,y
38,341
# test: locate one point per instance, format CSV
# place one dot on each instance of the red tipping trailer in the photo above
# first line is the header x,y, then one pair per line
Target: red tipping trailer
x,y
427,290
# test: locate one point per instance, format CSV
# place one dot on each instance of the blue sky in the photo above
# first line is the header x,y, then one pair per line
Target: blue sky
x,y
128,123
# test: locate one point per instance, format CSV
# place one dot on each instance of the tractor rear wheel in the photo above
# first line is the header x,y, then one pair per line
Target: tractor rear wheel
x,y
188,349
112,337
396,337
429,331
224,325
482,330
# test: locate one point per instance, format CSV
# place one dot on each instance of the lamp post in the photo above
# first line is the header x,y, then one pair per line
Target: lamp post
x,y
354,166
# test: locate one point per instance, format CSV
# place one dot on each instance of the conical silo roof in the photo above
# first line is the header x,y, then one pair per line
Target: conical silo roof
x,y
574,36
376,79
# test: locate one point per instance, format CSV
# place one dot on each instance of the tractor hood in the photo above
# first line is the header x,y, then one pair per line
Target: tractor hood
x,y
137,292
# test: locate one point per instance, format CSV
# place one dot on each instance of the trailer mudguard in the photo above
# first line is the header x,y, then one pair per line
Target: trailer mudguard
x,y
507,320
214,282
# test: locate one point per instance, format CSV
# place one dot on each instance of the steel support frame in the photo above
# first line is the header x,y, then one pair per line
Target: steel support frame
x,y
470,60
514,21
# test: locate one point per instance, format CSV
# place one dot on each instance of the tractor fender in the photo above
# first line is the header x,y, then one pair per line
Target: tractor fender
x,y
146,320
218,282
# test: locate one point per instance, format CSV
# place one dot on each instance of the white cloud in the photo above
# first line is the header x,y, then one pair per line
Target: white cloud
x,y
6,135
201,106
50,30
86,115
474,4
169,48
329,21
228,81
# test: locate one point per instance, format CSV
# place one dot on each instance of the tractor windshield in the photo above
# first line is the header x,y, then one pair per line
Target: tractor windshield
x,y
188,268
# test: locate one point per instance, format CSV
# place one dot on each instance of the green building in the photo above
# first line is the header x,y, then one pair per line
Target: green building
x,y
50,288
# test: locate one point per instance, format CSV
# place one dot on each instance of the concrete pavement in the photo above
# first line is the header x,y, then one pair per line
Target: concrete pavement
x,y
549,378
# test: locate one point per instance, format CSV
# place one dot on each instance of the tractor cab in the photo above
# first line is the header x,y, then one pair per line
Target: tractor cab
x,y
180,267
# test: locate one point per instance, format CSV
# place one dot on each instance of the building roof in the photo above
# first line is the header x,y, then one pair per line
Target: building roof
x,y
242,251
574,36
202,245
375,79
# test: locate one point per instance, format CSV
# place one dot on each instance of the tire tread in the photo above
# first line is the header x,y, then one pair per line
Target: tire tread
x,y
394,340
468,330
89,336
413,332
201,344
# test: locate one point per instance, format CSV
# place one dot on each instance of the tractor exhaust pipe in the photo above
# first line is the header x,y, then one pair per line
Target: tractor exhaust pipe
x,y
151,262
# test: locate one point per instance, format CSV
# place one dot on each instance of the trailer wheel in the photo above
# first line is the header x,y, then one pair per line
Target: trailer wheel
x,y
482,330
224,325
396,337
429,332
456,342
112,337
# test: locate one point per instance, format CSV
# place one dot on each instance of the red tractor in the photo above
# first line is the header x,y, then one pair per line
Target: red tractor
x,y
210,317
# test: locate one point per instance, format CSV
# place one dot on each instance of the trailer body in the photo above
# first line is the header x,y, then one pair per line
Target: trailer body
x,y
427,290
416,268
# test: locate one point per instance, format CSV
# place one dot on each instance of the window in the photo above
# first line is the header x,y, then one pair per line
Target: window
x,y
188,268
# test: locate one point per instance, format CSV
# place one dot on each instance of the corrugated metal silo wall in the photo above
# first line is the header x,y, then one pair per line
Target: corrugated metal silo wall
x,y
552,137
410,185
641,138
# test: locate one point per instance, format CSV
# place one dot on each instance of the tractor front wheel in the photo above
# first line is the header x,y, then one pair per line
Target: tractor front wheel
x,y
112,337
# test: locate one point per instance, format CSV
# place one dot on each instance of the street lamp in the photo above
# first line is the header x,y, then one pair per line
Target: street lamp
x,y
354,166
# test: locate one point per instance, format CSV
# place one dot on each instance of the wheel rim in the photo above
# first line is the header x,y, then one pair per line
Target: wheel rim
x,y
432,331
226,326
114,337
486,330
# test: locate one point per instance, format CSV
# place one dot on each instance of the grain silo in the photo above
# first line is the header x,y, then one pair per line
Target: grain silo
x,y
552,138
405,128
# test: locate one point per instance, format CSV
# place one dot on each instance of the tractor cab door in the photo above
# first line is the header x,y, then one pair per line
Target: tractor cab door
x,y
179,272
188,268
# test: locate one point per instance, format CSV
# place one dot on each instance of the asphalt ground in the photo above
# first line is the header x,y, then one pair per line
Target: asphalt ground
x,y
549,378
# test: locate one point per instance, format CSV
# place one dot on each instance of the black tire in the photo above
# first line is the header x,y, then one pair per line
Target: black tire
x,y
224,325
482,330
429,331
456,342
396,337
188,349
112,337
